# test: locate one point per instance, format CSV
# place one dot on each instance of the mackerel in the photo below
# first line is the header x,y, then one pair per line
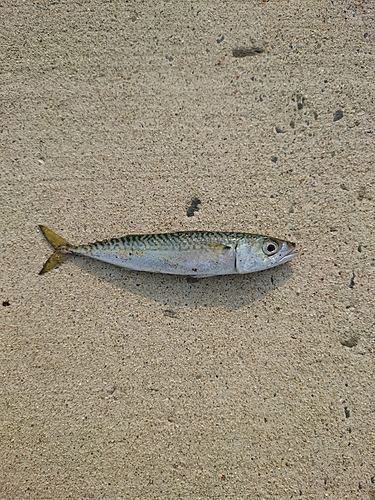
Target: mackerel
x,y
198,254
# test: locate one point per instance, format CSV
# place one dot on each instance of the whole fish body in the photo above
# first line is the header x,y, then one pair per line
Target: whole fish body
x,y
192,253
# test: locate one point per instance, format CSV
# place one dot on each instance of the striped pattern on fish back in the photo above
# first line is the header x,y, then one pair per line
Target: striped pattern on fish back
x,y
173,241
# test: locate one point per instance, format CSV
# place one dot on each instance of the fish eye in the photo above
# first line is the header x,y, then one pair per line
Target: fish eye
x,y
270,247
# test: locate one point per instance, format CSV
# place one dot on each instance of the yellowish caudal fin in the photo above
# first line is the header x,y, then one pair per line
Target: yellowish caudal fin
x,y
59,244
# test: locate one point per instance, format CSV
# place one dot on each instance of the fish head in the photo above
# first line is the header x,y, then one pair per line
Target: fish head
x,y
261,252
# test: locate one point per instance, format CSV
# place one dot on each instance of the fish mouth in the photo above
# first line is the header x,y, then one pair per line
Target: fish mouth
x,y
291,253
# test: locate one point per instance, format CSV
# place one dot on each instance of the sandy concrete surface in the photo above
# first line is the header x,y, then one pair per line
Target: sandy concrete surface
x,y
127,385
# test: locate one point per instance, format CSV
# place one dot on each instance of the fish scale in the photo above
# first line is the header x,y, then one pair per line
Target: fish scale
x,y
191,253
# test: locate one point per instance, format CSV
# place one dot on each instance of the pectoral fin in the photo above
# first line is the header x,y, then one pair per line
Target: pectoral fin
x,y
218,247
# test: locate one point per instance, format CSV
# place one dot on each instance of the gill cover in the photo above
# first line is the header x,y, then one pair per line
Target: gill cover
x,y
262,253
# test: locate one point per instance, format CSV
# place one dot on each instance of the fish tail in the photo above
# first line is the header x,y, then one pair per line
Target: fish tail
x,y
61,252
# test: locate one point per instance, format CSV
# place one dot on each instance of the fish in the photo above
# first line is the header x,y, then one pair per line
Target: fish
x,y
198,254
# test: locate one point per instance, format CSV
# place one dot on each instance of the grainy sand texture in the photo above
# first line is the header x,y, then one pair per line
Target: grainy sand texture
x,y
119,117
